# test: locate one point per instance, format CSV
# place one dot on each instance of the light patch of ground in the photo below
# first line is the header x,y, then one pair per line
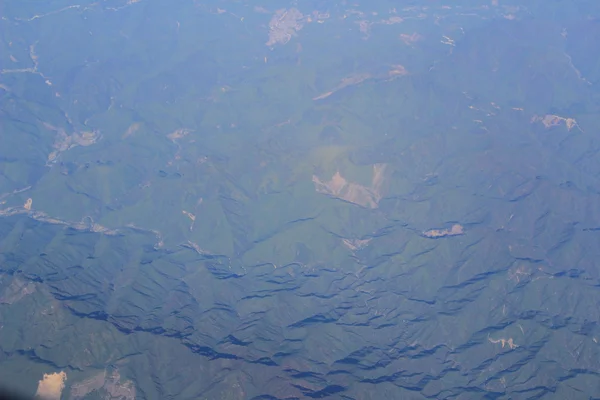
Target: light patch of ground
x,y
356,244
516,274
447,40
355,193
33,70
397,70
190,216
83,388
16,291
175,136
261,10
353,79
64,142
86,224
51,386
392,20
159,237
410,40
194,246
438,233
505,342
28,204
550,120
365,27
16,191
131,130
178,134
284,25
110,383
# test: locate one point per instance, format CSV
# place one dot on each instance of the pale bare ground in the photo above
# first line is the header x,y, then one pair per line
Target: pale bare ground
x,y
356,244
320,16
392,20
355,193
90,226
118,390
365,27
111,383
83,388
411,39
194,246
284,24
64,142
550,120
261,10
178,134
505,342
17,290
133,128
175,137
350,80
396,70
438,233
50,387
191,217
85,225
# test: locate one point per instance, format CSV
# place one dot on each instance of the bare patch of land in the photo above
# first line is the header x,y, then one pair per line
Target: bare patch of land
x,y
352,192
550,120
64,141
439,233
284,25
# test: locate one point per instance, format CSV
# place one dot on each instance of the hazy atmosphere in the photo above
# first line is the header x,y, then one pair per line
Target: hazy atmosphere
x,y
269,200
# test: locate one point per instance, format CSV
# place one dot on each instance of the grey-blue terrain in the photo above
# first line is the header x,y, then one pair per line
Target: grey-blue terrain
x,y
301,199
